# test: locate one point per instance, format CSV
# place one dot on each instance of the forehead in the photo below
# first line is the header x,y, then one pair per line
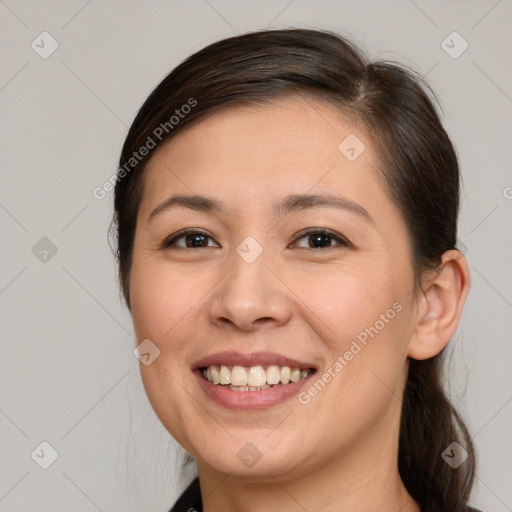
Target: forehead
x,y
289,145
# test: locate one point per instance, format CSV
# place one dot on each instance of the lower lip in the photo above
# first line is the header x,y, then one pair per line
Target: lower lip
x,y
250,400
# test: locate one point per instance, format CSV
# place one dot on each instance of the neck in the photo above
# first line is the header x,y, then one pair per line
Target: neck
x,y
362,479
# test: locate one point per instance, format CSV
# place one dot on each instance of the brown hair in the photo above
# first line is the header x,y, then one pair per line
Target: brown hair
x,y
418,164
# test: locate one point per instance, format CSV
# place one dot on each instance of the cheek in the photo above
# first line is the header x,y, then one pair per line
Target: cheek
x,y
358,313
346,298
164,302
161,299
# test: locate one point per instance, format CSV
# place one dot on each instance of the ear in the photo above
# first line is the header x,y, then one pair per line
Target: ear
x,y
440,306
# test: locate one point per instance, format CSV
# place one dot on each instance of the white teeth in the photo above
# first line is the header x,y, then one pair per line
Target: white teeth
x,y
255,378
295,375
238,376
239,388
273,375
247,388
225,375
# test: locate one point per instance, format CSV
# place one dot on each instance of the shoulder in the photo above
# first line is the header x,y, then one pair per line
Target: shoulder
x,y
190,500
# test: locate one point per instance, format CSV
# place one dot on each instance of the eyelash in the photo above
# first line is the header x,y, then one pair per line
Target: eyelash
x,y
342,242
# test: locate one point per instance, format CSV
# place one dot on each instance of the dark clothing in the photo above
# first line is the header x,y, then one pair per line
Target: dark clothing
x,y
190,500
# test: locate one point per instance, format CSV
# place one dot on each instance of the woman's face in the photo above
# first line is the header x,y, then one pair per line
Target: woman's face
x,y
257,295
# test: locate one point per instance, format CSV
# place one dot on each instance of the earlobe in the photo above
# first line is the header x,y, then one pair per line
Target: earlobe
x,y
440,306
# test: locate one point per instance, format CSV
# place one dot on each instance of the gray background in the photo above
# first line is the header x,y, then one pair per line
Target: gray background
x,y
67,372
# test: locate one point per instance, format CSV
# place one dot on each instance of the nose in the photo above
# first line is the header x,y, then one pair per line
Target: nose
x,y
249,297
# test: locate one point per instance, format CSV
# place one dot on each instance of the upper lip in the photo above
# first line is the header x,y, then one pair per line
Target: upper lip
x,y
254,359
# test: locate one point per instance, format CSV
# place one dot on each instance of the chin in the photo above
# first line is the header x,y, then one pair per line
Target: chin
x,y
254,455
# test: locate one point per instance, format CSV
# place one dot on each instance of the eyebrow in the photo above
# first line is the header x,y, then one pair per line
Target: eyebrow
x,y
291,203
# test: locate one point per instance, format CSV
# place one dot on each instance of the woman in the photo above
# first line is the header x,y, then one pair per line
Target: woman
x,y
286,219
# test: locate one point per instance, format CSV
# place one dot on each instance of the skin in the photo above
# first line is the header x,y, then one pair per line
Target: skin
x,y
339,451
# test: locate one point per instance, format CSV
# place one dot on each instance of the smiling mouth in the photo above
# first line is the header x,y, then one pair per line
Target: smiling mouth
x,y
253,378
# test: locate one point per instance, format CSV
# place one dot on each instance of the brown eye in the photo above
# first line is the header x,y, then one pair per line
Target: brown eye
x,y
189,239
322,239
